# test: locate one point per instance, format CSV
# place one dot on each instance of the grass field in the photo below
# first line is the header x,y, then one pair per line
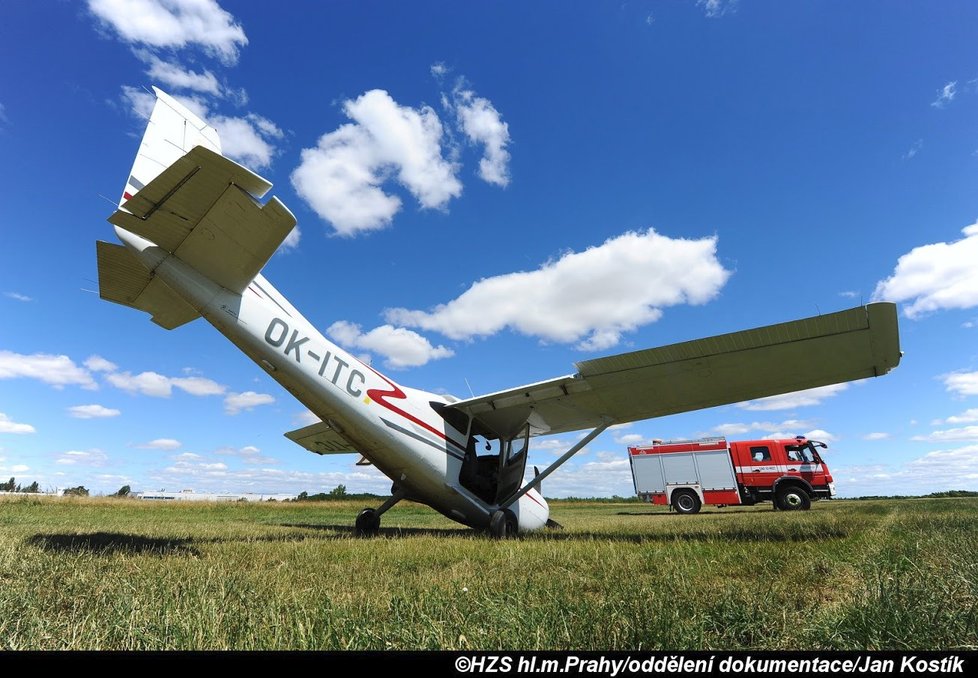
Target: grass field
x,y
124,574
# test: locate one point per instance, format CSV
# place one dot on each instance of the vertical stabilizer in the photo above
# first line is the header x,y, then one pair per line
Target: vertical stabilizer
x,y
172,131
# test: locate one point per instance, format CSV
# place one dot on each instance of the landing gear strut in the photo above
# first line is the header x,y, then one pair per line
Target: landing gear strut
x,y
368,520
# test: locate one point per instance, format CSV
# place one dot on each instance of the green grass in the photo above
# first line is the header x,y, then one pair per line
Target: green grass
x,y
126,575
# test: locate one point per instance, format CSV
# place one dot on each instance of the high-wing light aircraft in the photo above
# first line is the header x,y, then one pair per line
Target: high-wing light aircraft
x,y
195,238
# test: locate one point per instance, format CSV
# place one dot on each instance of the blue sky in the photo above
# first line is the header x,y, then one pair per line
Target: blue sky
x,y
485,197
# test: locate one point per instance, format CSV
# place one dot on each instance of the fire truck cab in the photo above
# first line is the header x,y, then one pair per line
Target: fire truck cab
x,y
686,474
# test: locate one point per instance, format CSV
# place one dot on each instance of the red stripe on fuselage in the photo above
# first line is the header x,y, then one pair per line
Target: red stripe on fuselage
x,y
381,397
530,495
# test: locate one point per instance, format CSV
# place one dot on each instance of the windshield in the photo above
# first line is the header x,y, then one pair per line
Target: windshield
x,y
804,453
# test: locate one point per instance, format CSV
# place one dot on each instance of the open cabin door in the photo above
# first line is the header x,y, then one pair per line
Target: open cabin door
x,y
512,464
493,466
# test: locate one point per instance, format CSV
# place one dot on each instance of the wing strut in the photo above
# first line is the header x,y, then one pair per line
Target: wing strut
x,y
605,423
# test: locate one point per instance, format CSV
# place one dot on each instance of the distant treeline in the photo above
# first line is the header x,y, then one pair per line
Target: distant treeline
x,y
933,495
338,493
12,486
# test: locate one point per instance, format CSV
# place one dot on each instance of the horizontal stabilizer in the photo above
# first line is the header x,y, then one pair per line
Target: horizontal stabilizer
x,y
321,438
124,280
203,209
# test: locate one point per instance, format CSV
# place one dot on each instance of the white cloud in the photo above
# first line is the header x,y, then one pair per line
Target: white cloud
x,y
172,75
93,457
341,178
291,240
305,418
198,386
630,439
187,456
16,295
173,24
249,454
8,426
236,402
479,120
966,417
92,412
161,444
57,370
877,435
438,70
610,475
935,277
945,95
97,363
248,140
139,101
818,434
962,383
589,297
952,434
159,386
768,428
914,150
400,347
717,8
788,401
20,468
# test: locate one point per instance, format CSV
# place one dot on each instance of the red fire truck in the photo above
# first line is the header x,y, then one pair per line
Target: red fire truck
x,y
686,474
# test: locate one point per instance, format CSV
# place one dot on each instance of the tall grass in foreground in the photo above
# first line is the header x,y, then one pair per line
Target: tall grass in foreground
x,y
123,574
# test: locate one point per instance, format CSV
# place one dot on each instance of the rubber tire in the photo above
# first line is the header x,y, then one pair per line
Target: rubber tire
x,y
503,524
686,502
792,498
367,523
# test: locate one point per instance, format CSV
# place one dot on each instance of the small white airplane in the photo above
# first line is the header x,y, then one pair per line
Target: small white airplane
x,y
195,238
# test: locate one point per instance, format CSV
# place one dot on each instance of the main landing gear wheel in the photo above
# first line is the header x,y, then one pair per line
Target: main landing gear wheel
x,y
686,502
502,524
793,498
368,523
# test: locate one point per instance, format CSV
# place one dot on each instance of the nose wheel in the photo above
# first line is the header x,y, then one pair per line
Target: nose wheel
x,y
503,524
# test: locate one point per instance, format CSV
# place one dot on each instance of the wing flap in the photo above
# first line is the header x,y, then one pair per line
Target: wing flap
x,y
124,280
321,438
854,344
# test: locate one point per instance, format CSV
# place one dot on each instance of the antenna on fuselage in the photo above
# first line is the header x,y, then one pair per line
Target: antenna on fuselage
x,y
469,386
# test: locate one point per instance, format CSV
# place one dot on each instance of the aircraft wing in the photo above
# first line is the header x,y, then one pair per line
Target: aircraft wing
x,y
827,349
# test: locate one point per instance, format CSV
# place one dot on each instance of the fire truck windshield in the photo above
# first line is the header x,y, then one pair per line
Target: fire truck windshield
x,y
805,453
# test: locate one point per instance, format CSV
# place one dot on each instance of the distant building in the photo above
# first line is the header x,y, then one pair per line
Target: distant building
x,y
190,495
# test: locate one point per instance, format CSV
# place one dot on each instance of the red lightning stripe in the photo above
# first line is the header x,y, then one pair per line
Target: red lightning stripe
x,y
381,397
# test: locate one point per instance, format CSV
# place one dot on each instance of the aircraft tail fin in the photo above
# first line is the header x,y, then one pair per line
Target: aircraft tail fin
x,y
124,280
172,131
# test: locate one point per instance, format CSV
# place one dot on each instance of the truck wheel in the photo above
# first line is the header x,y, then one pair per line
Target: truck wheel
x,y
686,502
793,498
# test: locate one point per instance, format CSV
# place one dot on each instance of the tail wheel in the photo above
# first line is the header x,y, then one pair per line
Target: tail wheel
x,y
367,524
686,502
503,524
793,498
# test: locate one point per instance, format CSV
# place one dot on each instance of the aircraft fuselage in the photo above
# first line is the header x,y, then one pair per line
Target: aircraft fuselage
x,y
394,427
